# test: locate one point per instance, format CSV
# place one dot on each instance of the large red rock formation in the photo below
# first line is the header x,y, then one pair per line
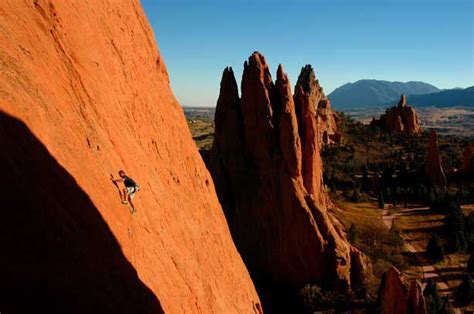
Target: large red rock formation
x,y
267,169
394,297
401,119
308,90
84,92
433,168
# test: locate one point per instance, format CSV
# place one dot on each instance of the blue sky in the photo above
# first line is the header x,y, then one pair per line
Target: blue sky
x,y
344,40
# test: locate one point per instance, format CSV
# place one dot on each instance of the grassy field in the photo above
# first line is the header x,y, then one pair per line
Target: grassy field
x,y
203,133
379,243
417,225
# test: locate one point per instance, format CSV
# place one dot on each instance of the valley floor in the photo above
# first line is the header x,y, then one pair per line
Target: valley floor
x,y
395,236
415,224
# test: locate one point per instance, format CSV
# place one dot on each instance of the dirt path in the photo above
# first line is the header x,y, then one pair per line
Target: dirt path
x,y
429,272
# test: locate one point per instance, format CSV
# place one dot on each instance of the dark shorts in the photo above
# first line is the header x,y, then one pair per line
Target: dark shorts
x,y
131,190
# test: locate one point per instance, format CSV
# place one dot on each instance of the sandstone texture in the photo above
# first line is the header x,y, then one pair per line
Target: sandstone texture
x,y
309,90
267,169
394,297
400,119
84,92
433,168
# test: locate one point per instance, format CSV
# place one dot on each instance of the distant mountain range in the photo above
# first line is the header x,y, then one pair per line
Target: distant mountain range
x,y
457,97
375,93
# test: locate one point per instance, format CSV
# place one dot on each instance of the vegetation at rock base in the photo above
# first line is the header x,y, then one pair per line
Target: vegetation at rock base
x,y
465,292
434,302
371,170
435,249
352,234
315,299
389,166
470,264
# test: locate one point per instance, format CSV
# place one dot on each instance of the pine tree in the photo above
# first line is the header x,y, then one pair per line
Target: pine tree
x,y
356,195
470,264
381,201
352,235
434,249
433,300
395,234
465,292
459,242
455,223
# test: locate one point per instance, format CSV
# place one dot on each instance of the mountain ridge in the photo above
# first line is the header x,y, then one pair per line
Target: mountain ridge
x,y
372,92
455,97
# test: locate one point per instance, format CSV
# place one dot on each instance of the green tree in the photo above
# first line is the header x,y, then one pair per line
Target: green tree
x,y
470,264
465,292
356,197
434,303
353,233
432,199
381,201
395,234
455,219
434,249
469,226
455,222
459,242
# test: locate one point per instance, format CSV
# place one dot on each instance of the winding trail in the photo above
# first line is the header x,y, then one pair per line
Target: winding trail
x,y
428,271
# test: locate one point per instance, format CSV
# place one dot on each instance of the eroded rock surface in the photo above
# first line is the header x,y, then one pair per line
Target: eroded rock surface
x,y
268,172
309,92
401,119
84,92
394,297
433,168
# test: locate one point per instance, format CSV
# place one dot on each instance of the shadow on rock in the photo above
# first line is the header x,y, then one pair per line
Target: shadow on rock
x,y
58,253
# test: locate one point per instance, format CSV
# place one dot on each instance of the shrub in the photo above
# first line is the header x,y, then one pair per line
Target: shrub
x,y
395,235
465,292
381,201
455,219
316,299
356,197
353,234
469,226
434,249
434,303
459,242
470,264
444,204
455,223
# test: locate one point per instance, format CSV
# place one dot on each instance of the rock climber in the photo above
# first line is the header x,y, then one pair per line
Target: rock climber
x,y
131,187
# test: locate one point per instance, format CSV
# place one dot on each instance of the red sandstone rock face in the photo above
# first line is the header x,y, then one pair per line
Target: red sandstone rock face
x,y
394,297
83,93
433,169
400,119
266,166
416,300
309,92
